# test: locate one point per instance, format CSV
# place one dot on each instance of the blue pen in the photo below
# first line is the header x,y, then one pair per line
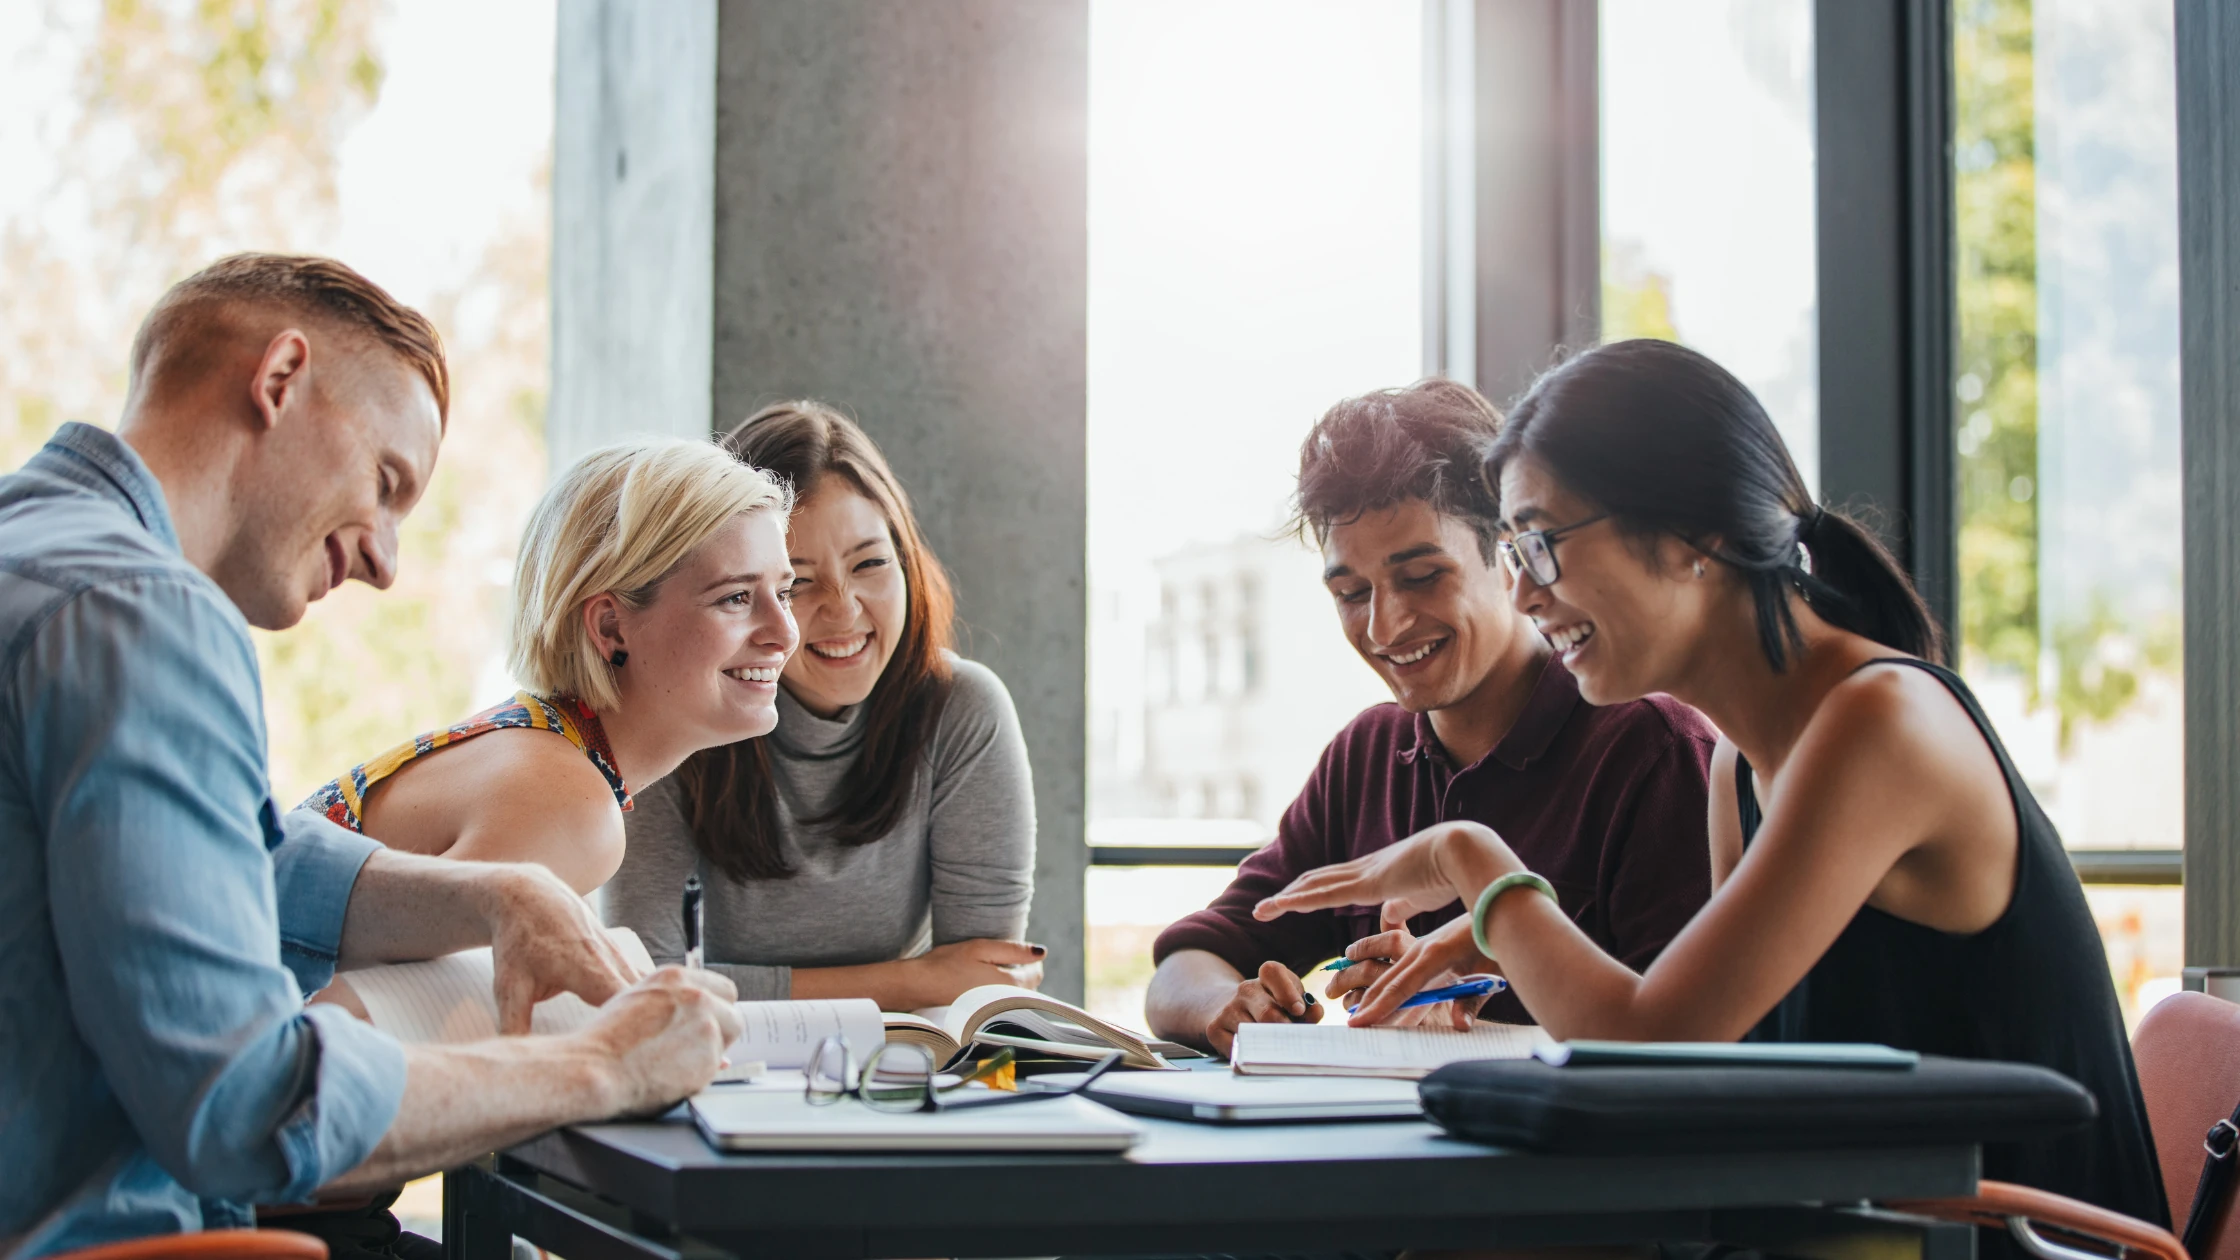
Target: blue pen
x,y
1473,986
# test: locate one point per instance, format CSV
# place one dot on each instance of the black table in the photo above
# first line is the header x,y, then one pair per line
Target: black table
x,y
656,1191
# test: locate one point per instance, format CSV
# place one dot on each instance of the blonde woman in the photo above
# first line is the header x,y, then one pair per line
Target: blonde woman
x,y
650,621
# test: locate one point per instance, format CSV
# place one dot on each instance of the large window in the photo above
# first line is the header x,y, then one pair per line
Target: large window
x,y
1707,193
1255,255
2066,417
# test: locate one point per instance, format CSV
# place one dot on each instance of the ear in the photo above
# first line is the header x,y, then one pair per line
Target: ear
x,y
1678,556
602,620
281,375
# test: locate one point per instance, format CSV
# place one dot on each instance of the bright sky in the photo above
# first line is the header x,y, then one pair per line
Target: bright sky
x,y
456,145
1254,252
1707,167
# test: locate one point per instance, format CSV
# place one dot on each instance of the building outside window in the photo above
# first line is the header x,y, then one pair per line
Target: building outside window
x,y
1255,255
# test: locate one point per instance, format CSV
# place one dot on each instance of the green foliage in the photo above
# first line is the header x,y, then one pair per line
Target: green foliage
x,y
1636,299
1997,380
201,127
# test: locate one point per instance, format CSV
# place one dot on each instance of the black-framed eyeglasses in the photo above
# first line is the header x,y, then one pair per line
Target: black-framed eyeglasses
x,y
1533,552
901,1077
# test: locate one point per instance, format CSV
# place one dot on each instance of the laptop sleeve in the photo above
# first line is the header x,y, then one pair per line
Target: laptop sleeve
x,y
1610,1110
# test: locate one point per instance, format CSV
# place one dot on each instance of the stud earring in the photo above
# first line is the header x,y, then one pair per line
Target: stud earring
x,y
621,657
1699,568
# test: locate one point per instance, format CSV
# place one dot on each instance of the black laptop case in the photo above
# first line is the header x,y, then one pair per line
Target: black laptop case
x,y
1527,1104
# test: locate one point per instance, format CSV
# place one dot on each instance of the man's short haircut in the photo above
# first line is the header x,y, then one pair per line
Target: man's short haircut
x,y
315,288
618,522
1427,441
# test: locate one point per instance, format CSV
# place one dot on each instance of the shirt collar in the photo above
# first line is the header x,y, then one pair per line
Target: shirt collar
x,y
118,472
1545,711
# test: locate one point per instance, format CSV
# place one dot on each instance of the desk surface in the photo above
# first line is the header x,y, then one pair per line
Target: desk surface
x,y
1192,1181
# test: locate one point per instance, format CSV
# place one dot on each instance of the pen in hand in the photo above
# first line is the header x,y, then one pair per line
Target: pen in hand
x,y
693,921
1467,987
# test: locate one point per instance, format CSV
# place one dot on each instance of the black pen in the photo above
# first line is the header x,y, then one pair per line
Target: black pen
x,y
692,921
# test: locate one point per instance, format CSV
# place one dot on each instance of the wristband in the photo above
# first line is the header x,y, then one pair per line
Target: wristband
x,y
1513,879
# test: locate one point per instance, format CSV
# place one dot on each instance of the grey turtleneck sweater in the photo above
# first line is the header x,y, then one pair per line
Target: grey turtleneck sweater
x,y
959,866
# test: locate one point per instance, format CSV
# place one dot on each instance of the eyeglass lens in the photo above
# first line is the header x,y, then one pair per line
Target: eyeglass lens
x,y
829,1070
898,1077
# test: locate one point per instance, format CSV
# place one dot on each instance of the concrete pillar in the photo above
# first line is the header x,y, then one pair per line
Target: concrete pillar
x,y
633,222
897,197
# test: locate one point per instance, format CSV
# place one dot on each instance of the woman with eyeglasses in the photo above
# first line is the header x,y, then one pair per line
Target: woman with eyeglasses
x,y
1881,873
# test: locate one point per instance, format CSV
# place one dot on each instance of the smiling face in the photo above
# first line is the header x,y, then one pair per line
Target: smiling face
x,y
1421,604
849,595
1622,616
707,650
349,456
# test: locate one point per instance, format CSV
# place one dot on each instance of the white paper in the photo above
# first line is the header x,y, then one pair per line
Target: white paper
x,y
1338,1050
451,999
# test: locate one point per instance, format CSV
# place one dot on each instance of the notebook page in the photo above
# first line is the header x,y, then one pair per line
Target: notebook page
x,y
782,1034
1337,1050
449,999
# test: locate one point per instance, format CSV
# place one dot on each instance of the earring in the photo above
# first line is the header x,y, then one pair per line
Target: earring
x,y
1699,568
620,656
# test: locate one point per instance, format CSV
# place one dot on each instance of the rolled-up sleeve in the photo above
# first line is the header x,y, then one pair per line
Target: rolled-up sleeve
x,y
162,847
314,866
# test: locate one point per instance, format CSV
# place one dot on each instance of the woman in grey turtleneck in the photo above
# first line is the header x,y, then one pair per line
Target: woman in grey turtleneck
x,y
880,843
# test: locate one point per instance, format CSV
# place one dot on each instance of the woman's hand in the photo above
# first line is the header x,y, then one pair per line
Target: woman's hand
x,y
1423,872
1423,962
938,976
1449,955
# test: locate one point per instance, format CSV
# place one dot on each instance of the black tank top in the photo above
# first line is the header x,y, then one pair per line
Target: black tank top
x,y
2031,988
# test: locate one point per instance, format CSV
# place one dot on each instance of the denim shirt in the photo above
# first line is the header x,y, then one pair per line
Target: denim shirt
x,y
160,923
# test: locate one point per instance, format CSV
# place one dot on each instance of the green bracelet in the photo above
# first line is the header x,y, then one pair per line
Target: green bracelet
x,y
1511,880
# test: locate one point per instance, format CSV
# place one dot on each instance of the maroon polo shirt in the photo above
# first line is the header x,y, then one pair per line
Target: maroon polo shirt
x,y
1606,801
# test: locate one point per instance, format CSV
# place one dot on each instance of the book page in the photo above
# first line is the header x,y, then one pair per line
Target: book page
x,y
783,1034
1337,1050
450,1000
453,998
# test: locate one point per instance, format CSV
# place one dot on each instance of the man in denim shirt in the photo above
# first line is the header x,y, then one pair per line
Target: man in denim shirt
x,y
160,921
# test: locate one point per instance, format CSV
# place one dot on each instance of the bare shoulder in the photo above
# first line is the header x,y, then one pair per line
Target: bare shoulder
x,y
1897,708
510,795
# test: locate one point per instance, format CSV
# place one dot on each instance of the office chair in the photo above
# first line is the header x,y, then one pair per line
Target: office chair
x,y
2188,1052
215,1244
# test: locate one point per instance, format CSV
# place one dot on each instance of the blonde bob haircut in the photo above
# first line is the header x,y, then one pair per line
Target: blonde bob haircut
x,y
618,522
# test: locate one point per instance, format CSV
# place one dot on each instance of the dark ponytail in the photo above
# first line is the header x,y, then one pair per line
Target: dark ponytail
x,y
1669,442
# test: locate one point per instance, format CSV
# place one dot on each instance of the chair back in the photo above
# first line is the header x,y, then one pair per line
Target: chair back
x,y
2188,1051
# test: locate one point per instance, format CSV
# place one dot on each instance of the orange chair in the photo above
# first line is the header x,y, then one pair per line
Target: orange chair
x,y
2188,1052
215,1244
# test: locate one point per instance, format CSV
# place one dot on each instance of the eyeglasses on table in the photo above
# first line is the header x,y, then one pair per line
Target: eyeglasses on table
x,y
900,1077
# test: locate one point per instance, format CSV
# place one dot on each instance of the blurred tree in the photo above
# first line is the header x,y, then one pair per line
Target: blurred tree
x,y
1636,298
204,127
1997,384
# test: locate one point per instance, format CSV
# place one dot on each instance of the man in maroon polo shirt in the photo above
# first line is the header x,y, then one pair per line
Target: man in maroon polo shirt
x,y
1606,802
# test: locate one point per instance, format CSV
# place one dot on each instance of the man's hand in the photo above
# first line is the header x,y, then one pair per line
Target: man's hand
x,y
664,1037
1274,996
1438,959
938,976
655,1042
544,941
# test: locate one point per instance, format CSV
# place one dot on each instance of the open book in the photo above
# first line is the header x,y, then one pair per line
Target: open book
x,y
450,999
1007,1015
1401,1053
